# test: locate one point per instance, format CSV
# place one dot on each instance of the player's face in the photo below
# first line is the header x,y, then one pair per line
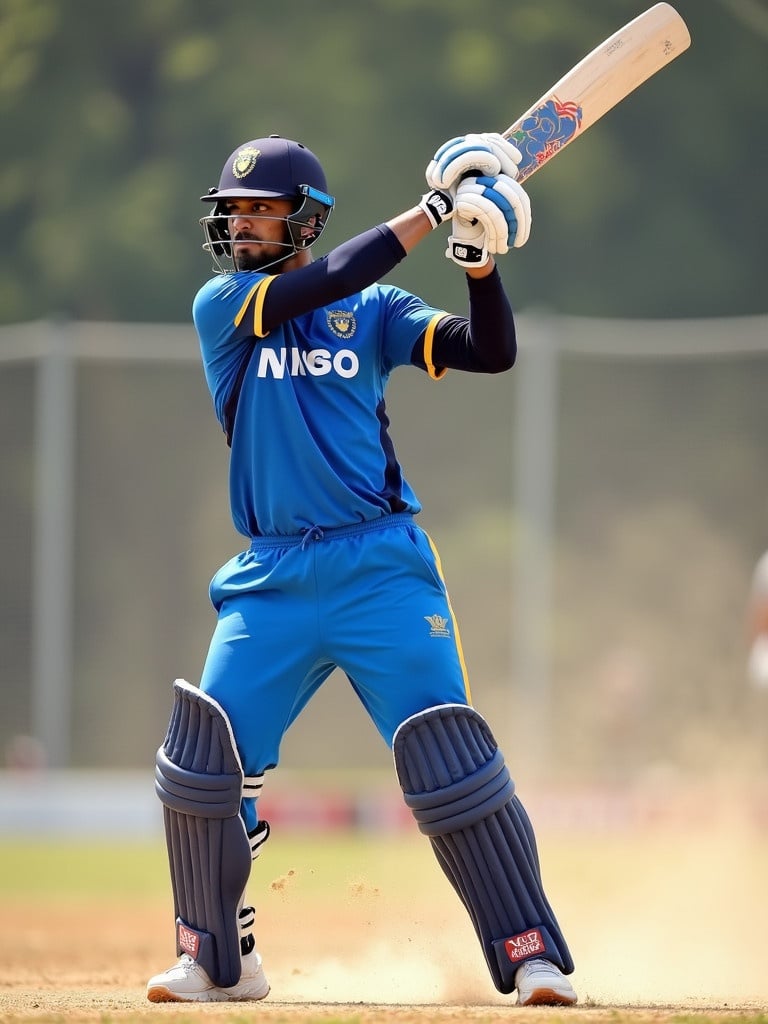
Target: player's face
x,y
258,230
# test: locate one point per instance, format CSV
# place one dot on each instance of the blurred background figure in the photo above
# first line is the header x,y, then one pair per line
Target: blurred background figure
x,y
25,754
757,626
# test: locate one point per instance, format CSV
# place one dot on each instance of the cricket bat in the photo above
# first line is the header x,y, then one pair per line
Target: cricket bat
x,y
597,83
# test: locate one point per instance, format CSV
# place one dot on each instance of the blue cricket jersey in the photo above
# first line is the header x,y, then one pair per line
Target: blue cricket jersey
x,y
310,442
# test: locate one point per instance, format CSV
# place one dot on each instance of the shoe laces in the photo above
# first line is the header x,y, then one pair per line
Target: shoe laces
x,y
541,966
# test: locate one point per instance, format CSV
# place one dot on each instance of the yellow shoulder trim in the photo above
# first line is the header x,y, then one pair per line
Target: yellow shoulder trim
x,y
258,309
241,311
429,338
259,290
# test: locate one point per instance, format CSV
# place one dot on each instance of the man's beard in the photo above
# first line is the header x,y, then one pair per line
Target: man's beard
x,y
265,255
248,260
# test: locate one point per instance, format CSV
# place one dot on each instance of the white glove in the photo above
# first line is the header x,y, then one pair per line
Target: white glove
x,y
484,153
438,206
466,244
500,206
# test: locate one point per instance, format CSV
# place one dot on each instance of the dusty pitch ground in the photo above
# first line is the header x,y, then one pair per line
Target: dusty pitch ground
x,y
662,928
91,964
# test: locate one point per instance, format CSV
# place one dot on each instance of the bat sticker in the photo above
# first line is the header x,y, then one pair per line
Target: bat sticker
x,y
546,130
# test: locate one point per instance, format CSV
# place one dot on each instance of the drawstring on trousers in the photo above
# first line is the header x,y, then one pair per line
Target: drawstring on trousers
x,y
313,533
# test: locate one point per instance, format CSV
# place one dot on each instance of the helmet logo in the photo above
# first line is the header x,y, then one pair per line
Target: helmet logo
x,y
245,161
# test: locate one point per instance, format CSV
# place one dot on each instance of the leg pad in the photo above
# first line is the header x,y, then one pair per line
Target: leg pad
x,y
458,787
199,779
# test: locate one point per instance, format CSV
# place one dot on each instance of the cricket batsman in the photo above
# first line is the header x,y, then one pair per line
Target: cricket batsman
x,y
336,572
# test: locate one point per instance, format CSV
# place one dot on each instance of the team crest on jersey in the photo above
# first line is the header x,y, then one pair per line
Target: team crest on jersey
x,y
342,323
438,625
245,161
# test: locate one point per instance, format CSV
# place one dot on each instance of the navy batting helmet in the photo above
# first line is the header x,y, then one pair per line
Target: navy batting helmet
x,y
273,167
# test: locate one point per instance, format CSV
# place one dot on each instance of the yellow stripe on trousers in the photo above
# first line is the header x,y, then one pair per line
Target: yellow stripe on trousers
x,y
456,633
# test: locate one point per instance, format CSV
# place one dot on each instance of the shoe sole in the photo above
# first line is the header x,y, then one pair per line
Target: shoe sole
x,y
161,994
548,997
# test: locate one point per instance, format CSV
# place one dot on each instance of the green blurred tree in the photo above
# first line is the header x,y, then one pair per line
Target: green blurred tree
x,y
117,117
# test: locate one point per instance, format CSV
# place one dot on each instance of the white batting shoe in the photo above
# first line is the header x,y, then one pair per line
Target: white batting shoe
x,y
541,983
187,982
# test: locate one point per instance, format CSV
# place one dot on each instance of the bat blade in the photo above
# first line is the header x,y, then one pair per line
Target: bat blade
x,y
607,75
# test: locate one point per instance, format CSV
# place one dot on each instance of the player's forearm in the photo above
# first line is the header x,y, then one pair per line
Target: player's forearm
x,y
486,342
411,227
485,271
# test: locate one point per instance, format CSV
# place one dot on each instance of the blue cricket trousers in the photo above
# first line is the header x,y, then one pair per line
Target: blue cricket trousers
x,y
369,599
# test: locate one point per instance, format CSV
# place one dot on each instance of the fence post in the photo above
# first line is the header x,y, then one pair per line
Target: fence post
x,y
535,457
53,546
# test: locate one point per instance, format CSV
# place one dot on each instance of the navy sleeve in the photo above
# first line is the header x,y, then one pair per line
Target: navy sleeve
x,y
485,342
347,269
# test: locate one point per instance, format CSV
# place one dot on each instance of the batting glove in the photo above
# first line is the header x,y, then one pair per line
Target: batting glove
x,y
467,244
438,206
500,206
486,153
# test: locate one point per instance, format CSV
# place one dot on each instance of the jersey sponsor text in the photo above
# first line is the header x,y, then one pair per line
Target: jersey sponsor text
x,y
317,362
